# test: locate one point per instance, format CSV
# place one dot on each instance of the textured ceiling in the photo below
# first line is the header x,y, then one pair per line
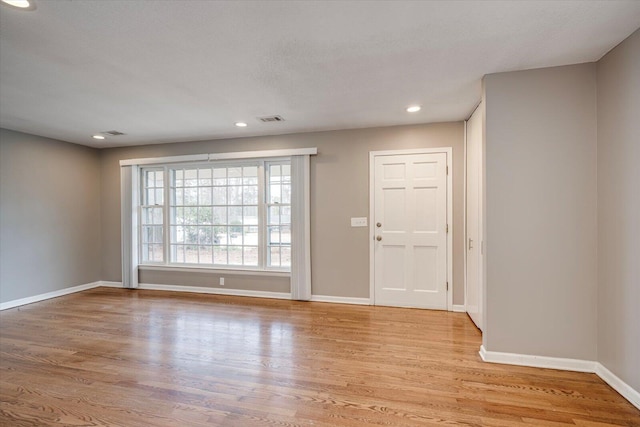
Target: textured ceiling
x,y
170,71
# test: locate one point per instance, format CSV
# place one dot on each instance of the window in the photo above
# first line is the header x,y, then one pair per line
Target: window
x,y
229,215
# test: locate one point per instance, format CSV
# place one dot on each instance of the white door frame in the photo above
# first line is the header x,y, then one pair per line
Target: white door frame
x,y
372,155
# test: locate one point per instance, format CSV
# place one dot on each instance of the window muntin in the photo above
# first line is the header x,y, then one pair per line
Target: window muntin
x,y
218,215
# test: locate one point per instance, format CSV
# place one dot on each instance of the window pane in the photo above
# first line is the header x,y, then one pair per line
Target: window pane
x,y
205,235
220,215
179,178
235,176
205,215
286,173
235,255
156,253
250,194
191,254
177,253
157,216
286,194
159,179
147,234
190,177
274,236
274,173
204,177
191,234
220,233
204,196
220,176
179,197
235,195
250,175
250,216
157,234
191,196
250,236
220,255
235,216
219,195
274,193
274,257
159,198
151,199
177,234
285,235
285,215
274,215
250,256
206,255
285,256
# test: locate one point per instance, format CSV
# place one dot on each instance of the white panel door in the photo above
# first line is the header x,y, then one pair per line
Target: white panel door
x,y
410,225
473,294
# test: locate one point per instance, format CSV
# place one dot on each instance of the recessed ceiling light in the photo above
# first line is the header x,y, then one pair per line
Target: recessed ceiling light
x,y
241,124
20,4
98,137
413,109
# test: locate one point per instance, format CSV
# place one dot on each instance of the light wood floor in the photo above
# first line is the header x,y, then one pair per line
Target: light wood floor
x,y
113,357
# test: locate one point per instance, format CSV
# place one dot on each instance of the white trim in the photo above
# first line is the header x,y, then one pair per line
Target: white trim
x,y
372,155
464,209
221,156
577,365
264,153
168,159
618,385
216,291
459,308
41,297
340,300
213,270
109,284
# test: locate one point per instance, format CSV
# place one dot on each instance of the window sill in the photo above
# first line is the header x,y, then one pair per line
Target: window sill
x,y
212,270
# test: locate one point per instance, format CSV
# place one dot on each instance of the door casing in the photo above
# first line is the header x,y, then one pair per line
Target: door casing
x,y
372,155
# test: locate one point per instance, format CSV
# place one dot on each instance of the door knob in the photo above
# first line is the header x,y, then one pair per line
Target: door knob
x,y
379,238
379,225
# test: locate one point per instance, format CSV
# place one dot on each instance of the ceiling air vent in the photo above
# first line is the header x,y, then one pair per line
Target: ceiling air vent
x,y
269,119
112,133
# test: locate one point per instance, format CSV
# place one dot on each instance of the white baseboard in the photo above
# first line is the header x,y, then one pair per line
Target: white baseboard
x,y
340,300
108,284
618,385
216,291
577,365
41,297
459,308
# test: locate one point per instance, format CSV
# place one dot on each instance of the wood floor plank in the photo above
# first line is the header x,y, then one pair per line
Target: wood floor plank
x,y
115,357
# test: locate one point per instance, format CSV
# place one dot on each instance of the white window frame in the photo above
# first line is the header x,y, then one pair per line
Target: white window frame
x,y
262,205
300,270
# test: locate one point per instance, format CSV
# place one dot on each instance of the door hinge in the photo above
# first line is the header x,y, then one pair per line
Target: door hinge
x,y
447,170
447,285
447,228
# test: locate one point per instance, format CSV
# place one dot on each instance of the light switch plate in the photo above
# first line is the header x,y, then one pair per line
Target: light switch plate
x,y
359,222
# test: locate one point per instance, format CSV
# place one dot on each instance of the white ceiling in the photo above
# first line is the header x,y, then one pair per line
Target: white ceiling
x,y
170,71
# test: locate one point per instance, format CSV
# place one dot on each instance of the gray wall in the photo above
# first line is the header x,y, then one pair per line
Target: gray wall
x,y
619,210
339,191
49,215
541,206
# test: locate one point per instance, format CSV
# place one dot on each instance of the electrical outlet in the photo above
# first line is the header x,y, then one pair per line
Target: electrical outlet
x,y
222,281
